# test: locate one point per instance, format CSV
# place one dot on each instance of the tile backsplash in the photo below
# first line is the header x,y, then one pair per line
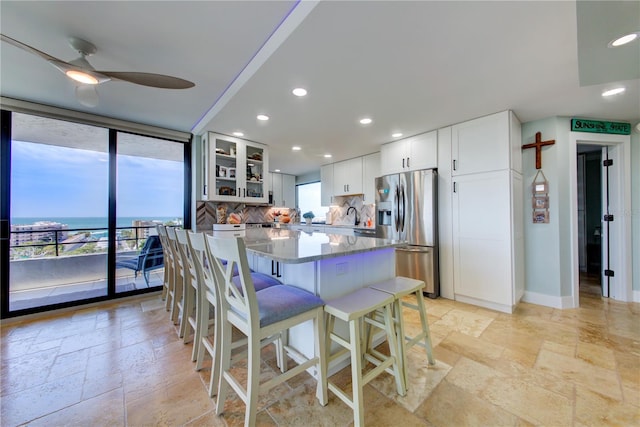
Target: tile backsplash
x,y
342,204
207,212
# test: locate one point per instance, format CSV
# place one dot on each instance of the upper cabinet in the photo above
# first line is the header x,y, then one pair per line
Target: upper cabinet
x,y
283,187
326,185
347,177
370,171
236,169
486,144
409,154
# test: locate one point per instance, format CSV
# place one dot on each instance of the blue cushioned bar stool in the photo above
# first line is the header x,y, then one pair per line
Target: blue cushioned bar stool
x,y
259,315
357,309
207,333
400,288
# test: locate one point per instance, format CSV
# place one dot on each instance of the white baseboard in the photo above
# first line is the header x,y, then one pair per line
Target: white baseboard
x,y
486,304
636,296
548,300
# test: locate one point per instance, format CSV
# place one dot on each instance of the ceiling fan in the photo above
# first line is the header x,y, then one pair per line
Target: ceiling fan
x,y
83,72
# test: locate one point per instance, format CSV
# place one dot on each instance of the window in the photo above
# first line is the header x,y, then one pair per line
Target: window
x,y
309,200
77,198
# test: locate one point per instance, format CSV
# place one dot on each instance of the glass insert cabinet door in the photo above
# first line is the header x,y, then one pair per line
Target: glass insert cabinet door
x,y
236,169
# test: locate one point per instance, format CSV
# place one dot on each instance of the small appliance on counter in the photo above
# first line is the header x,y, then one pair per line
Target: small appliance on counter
x,y
406,210
229,230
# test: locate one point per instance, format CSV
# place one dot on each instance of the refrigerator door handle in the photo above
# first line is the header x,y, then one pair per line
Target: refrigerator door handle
x,y
404,205
396,205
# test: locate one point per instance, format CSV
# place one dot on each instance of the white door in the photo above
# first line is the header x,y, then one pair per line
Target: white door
x,y
481,238
289,191
392,157
611,224
423,151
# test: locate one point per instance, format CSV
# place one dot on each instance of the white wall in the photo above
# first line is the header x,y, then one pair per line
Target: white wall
x,y
635,212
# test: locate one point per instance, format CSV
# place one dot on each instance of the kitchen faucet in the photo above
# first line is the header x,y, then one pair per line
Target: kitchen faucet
x,y
357,220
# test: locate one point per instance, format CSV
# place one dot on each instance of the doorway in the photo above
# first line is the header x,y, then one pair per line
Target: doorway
x,y
615,201
590,218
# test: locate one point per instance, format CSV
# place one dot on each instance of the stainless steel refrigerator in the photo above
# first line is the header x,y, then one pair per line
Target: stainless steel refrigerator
x,y
406,209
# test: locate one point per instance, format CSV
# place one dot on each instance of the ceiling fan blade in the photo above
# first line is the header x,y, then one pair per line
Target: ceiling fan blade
x,y
149,79
29,49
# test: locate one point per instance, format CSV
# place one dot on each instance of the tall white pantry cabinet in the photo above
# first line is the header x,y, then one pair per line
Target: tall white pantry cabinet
x,y
481,211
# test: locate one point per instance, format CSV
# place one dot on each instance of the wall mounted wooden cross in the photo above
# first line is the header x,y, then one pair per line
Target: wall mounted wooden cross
x,y
538,146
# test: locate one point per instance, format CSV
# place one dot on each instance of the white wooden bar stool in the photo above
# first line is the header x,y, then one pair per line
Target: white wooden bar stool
x,y
355,308
400,287
175,292
259,315
167,280
187,270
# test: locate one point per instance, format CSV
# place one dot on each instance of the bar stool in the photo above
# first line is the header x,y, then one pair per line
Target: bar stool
x,y
187,270
357,308
167,282
175,292
259,315
400,287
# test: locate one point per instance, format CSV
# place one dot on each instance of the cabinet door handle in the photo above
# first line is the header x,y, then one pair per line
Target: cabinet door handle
x,y
408,162
455,164
454,186
244,192
273,270
403,163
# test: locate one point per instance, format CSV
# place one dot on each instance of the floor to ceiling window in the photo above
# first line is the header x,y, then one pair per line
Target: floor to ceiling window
x,y
59,195
78,201
150,191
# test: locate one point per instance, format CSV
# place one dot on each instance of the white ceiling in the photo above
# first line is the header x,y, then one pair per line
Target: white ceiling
x,y
411,66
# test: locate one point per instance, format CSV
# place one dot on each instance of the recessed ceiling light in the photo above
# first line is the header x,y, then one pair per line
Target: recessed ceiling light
x,y
296,148
612,92
627,38
327,156
299,91
365,121
277,170
262,117
238,134
396,135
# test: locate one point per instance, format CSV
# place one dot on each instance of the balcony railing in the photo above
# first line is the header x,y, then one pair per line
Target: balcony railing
x,y
55,242
62,274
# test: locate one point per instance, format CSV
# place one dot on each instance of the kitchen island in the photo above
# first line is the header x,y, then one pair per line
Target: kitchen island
x,y
328,265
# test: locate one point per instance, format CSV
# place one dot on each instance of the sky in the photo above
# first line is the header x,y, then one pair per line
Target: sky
x,y
53,181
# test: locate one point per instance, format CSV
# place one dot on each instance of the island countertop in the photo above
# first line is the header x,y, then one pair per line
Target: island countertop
x,y
294,247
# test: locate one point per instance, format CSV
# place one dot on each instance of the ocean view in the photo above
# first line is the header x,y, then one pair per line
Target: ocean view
x,y
89,222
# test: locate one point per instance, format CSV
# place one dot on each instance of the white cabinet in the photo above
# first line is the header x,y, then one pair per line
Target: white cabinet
x,y
409,154
486,144
326,185
486,215
283,187
236,169
347,177
370,171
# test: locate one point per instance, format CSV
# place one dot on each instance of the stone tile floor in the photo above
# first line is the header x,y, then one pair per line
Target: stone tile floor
x,y
121,363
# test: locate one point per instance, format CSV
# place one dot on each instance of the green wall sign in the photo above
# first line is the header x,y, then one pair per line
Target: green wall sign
x,y
596,126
